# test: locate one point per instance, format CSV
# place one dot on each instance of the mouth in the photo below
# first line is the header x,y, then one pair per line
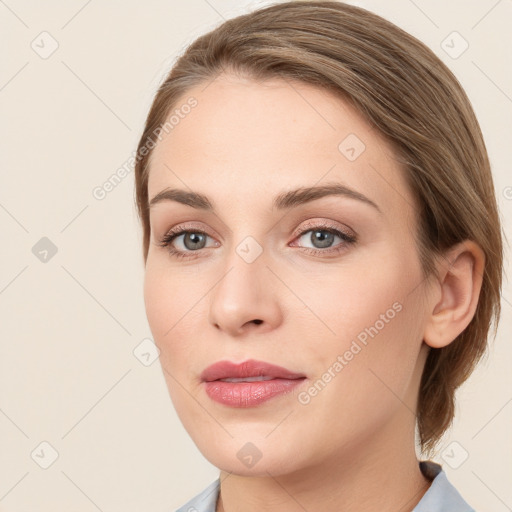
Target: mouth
x,y
248,384
246,379
247,371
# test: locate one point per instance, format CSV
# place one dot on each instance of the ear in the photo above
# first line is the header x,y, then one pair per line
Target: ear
x,y
456,293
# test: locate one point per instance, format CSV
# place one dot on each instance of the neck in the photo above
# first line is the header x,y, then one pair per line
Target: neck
x,y
378,474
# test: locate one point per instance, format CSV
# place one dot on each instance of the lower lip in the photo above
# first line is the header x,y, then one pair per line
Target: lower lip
x,y
249,394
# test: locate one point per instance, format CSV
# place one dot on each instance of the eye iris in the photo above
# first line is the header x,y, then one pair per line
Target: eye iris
x,y
323,237
195,238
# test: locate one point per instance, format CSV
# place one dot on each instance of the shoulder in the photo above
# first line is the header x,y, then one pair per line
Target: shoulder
x,y
205,501
441,496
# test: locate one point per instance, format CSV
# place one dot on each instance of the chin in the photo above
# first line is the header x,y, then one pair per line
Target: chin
x,y
261,468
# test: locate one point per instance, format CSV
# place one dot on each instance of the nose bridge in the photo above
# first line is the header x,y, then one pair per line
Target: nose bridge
x,y
244,293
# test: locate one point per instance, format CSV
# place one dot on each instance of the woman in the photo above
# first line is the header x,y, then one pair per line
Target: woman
x,y
323,258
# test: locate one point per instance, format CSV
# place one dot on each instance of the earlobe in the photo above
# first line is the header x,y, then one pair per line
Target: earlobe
x,y
453,307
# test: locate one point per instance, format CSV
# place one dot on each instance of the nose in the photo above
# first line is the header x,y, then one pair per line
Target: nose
x,y
246,298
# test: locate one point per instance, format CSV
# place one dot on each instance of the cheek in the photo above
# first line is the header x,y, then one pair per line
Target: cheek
x,y
370,316
176,315
364,375
166,306
158,302
346,300
166,311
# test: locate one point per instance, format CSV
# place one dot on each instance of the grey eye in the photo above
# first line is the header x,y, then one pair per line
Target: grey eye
x,y
193,240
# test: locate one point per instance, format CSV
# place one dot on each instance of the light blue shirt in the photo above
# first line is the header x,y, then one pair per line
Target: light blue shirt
x,y
441,496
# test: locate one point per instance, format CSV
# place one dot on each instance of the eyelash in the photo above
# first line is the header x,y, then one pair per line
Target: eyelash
x,y
168,238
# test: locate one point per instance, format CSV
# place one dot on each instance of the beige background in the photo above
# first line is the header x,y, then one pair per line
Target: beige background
x,y
69,326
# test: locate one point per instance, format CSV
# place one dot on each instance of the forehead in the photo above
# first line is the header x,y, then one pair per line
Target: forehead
x,y
243,139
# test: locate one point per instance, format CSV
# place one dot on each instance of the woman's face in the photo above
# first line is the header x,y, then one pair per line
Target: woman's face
x,y
328,286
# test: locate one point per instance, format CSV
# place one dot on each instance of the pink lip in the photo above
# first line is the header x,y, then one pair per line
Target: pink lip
x,y
248,394
250,368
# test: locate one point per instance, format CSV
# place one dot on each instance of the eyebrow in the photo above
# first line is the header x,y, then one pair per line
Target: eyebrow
x,y
283,201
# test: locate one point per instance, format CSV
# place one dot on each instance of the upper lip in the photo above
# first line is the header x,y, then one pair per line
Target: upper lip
x,y
250,368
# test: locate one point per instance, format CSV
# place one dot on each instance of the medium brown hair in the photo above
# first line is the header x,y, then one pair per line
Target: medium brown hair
x,y
403,89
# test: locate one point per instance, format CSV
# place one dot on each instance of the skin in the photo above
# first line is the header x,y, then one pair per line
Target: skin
x,y
352,446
